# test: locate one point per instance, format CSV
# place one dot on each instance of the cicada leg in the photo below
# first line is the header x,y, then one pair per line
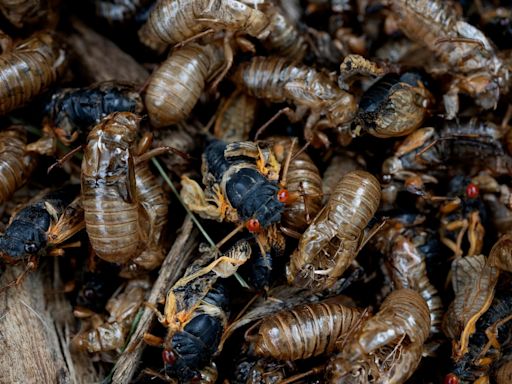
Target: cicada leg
x,y
492,335
195,37
160,316
228,58
209,268
455,246
152,340
31,266
65,158
476,233
46,145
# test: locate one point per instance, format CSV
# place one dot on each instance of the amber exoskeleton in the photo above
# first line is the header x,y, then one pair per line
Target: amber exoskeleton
x,y
43,56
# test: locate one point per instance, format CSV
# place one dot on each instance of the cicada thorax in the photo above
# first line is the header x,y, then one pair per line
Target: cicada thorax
x,y
283,336
248,192
72,112
252,195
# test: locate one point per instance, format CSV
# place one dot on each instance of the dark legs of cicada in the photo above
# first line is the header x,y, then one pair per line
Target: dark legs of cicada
x,y
65,158
293,116
195,37
311,372
492,335
228,56
285,111
160,151
143,152
54,252
460,40
286,166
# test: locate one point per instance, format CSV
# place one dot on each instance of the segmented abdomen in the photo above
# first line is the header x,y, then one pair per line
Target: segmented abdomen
x,y
153,200
152,197
304,179
111,223
305,331
176,85
265,77
427,22
285,39
28,70
278,80
15,164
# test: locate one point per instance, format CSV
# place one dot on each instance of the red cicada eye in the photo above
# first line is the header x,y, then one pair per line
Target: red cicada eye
x,y
451,378
472,191
283,195
253,225
168,357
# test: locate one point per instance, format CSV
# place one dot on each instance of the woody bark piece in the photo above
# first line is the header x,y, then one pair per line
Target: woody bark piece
x,y
81,368
31,350
101,59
